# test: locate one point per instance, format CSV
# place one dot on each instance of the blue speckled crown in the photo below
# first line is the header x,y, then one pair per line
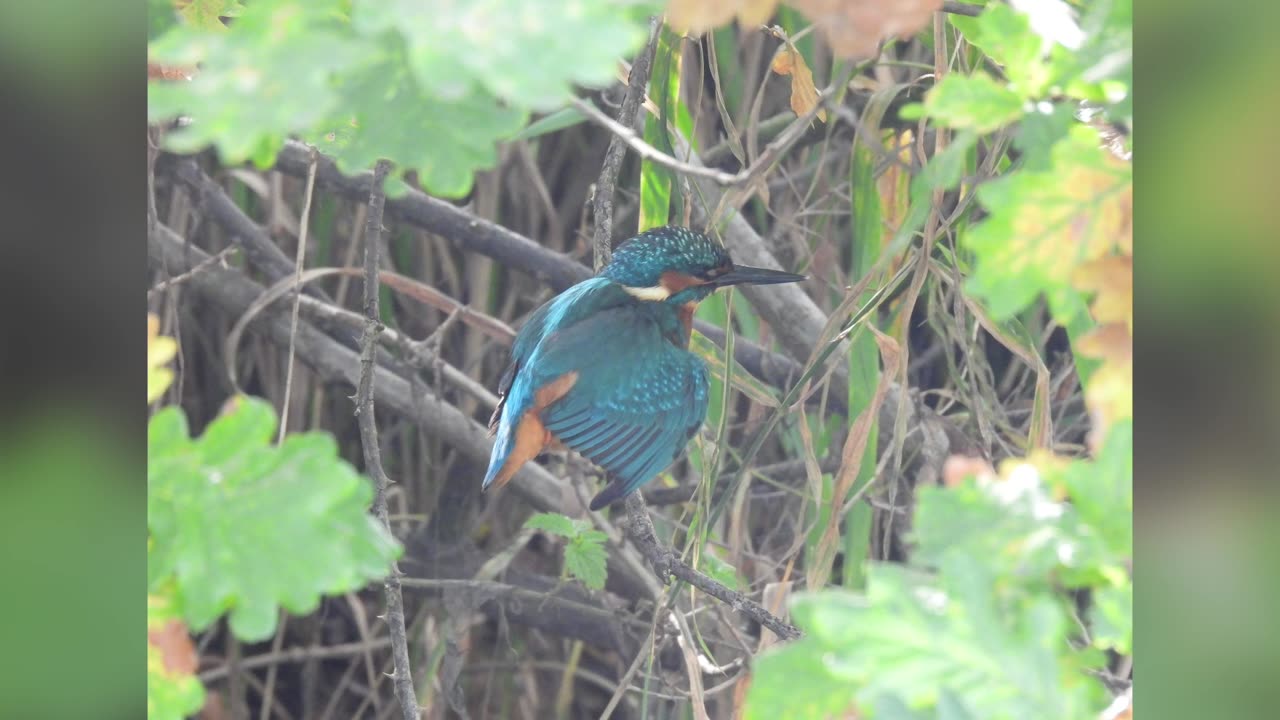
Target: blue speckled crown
x,y
640,261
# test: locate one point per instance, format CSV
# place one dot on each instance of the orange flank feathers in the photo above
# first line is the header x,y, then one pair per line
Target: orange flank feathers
x,y
532,437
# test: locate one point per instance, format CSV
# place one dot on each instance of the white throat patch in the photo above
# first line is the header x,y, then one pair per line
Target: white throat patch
x,y
656,293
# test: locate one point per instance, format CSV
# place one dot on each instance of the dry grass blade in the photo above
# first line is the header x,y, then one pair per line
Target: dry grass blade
x,y
851,460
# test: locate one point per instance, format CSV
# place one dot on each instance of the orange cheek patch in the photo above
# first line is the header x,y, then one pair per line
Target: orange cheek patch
x,y
674,282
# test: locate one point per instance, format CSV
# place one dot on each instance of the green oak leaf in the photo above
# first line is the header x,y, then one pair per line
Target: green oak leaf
x,y
391,115
243,526
266,77
527,52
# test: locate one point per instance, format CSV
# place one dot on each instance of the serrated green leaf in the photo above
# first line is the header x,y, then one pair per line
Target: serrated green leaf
x,y
586,559
974,102
528,53
553,523
242,526
446,141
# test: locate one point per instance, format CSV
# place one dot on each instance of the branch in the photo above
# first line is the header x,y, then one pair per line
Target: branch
x,y
960,8
602,203
665,563
256,243
369,439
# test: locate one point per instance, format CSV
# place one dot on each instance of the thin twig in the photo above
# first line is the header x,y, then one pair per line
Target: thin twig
x,y
649,152
602,203
665,564
297,291
296,655
217,259
369,438
269,688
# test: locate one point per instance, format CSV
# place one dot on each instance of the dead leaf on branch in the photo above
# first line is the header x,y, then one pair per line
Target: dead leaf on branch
x,y
698,16
804,94
854,28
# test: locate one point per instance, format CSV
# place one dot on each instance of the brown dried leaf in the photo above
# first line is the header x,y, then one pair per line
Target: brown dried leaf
x,y
1109,394
854,28
699,16
855,445
1111,277
176,650
959,467
804,94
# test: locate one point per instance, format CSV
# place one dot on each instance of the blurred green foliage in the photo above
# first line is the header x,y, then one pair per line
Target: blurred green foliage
x,y
1018,582
981,623
432,90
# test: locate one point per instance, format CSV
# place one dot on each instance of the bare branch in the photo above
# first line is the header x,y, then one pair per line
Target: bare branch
x,y
369,438
664,562
602,203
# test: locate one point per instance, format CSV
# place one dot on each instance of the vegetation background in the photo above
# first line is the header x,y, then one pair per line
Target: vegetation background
x,y
923,457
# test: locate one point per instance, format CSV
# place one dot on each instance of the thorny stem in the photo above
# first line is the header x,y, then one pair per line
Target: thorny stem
x,y
369,438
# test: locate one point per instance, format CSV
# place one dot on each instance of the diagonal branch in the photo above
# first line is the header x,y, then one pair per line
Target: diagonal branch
x,y
665,563
369,438
602,203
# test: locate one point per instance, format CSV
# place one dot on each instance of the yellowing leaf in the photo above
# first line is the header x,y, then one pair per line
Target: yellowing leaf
x,y
1044,224
1111,277
208,14
854,28
1109,394
804,94
699,16
160,350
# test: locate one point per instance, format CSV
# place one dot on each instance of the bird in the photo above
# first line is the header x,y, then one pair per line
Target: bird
x,y
604,368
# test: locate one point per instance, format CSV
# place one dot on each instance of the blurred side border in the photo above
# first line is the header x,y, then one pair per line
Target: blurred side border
x,y
72,280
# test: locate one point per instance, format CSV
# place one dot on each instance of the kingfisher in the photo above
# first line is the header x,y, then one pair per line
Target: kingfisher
x,y
604,368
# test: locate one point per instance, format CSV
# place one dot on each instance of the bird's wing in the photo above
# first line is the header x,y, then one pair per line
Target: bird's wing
x,y
562,310
636,402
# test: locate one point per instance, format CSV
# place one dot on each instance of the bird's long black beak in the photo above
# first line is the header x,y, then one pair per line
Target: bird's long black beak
x,y
741,275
